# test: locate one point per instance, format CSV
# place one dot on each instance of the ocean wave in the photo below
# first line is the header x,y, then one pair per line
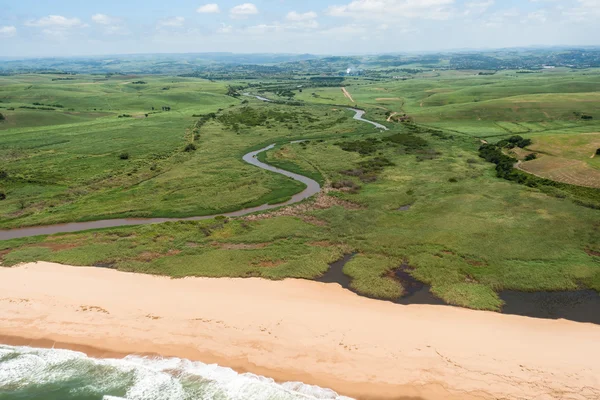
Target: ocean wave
x,y
26,372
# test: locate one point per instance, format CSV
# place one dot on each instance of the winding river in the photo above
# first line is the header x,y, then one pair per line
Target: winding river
x,y
312,188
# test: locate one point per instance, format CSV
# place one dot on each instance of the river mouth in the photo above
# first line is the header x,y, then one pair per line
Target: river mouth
x,y
579,306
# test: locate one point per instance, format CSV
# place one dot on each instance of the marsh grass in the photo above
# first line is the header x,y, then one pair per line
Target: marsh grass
x,y
468,233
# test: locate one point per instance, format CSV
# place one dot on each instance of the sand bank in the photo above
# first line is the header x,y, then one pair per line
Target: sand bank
x,y
300,330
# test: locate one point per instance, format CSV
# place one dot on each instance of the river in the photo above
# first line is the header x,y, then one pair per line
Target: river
x,y
312,188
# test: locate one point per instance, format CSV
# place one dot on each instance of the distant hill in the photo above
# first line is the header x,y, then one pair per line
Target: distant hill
x,y
231,65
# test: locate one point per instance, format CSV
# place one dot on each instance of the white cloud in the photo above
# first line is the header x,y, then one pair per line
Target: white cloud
x,y
225,28
502,18
478,7
209,9
243,10
265,28
585,10
172,22
8,31
294,16
536,16
110,25
394,9
104,19
302,21
56,26
56,22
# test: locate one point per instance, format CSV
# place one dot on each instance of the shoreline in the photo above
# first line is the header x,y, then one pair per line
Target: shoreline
x,y
367,391
296,330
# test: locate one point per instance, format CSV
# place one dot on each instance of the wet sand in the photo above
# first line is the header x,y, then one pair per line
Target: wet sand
x,y
302,331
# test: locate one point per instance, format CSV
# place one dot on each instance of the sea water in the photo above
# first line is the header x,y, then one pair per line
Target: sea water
x,y
52,374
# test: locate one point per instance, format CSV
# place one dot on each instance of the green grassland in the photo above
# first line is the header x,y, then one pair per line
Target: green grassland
x,y
467,233
72,171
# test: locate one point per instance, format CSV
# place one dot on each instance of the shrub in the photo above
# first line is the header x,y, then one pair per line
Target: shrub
x,y
2,117
190,147
346,184
3,174
598,152
124,156
452,180
504,164
530,157
515,141
2,196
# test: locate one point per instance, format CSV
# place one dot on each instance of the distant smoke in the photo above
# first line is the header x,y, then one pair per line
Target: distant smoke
x,y
348,71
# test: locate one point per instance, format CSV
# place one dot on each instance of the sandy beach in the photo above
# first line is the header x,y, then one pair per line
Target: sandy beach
x,y
297,330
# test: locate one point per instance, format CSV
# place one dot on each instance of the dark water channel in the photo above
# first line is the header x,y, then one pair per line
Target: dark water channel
x,y
579,306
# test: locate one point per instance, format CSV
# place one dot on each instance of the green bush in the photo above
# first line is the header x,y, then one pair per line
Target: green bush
x,y
2,196
124,156
190,147
530,157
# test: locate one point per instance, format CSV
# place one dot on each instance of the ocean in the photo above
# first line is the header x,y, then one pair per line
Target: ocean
x,y
52,374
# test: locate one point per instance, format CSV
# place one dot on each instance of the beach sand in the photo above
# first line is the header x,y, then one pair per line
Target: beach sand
x,y
297,330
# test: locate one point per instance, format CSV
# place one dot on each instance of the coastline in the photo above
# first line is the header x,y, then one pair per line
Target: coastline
x,y
297,330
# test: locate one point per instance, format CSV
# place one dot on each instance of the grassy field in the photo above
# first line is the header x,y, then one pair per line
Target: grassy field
x,y
66,171
467,233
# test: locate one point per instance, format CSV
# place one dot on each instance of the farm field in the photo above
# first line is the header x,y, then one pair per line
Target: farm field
x,y
417,195
568,158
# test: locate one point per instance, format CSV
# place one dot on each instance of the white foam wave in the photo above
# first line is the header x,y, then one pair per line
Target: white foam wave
x,y
145,378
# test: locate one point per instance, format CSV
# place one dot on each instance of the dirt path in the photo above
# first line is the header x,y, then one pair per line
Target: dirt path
x,y
392,115
347,94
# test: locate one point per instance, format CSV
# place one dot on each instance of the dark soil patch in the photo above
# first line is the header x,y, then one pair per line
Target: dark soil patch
x,y
593,252
240,246
475,263
271,264
57,246
107,265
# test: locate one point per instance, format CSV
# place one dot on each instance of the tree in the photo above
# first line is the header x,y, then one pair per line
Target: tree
x,y
124,156
2,196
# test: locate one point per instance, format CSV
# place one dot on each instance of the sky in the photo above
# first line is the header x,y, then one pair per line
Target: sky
x,y
41,28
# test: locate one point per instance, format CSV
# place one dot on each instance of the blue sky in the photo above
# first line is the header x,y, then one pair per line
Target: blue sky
x,y
79,27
